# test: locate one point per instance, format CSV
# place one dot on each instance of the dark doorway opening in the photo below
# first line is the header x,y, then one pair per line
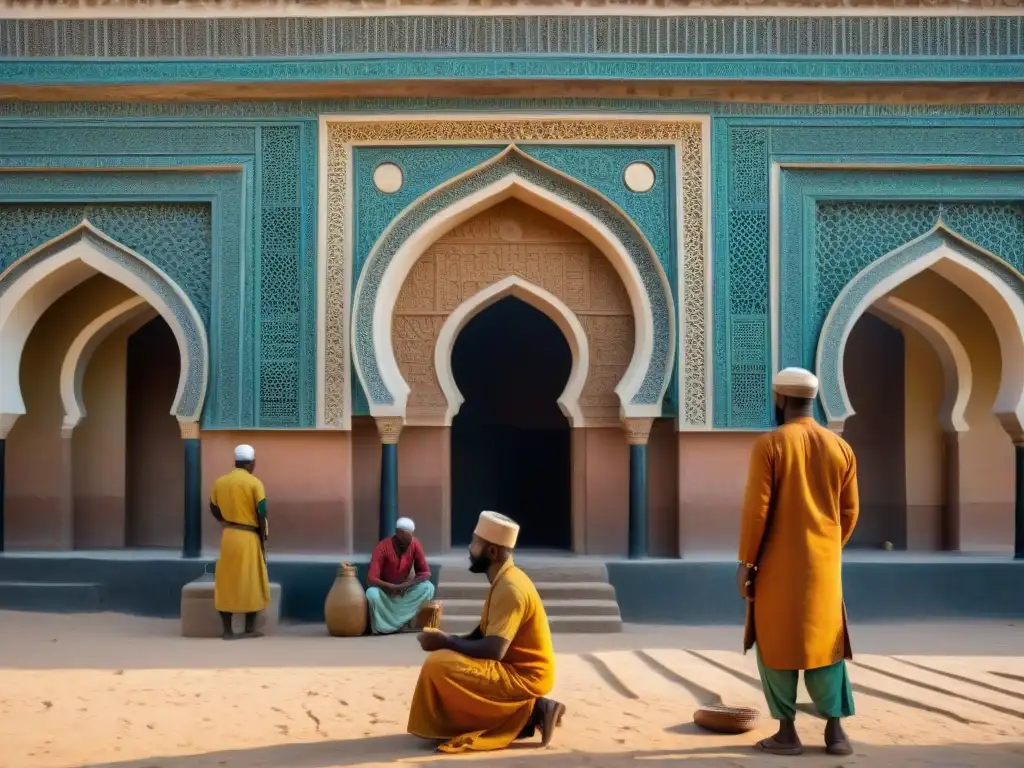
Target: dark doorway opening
x,y
154,460
874,368
510,446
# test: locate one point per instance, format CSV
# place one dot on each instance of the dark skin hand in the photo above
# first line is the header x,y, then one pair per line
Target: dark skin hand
x,y
745,581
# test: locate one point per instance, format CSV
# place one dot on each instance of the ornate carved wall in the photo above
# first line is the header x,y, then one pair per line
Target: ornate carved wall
x,y
513,239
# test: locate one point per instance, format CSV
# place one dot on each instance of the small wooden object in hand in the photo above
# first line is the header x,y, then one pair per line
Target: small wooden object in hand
x,y
429,616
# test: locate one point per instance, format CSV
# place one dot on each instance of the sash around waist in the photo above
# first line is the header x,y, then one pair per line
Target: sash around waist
x,y
243,527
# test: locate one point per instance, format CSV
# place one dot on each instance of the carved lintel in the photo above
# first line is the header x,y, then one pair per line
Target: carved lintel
x,y
389,428
189,430
637,430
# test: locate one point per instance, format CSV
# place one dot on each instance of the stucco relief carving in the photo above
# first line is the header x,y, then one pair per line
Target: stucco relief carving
x,y
693,257
512,239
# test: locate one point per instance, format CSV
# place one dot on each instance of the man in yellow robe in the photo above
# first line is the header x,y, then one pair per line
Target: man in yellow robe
x,y
240,582
485,690
800,509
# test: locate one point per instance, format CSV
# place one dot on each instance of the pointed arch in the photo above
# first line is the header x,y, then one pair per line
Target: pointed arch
x,y
513,173
89,339
992,283
956,363
33,283
539,299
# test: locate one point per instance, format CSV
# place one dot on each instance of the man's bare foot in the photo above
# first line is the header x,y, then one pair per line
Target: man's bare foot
x,y
549,718
836,742
250,635
230,636
785,742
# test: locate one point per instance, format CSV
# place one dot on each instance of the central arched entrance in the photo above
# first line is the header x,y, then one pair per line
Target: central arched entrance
x,y
510,442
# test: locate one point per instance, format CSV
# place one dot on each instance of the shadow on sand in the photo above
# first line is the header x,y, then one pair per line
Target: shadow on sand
x,y
406,750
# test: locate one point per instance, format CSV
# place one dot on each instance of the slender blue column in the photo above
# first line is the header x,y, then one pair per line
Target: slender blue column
x,y
389,429
637,432
3,464
193,540
1018,507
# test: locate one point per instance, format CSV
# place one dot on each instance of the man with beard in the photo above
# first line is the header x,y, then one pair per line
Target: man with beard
x,y
800,509
398,579
485,690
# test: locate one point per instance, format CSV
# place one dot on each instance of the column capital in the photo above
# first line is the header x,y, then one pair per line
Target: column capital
x,y
389,428
189,430
637,430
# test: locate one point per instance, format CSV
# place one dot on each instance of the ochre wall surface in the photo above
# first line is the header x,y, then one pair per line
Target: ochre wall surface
x,y
512,238
308,479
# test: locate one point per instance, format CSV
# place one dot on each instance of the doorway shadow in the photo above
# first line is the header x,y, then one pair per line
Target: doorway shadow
x,y
510,442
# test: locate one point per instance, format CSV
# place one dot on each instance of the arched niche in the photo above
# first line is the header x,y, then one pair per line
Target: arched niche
x,y
32,284
994,285
514,174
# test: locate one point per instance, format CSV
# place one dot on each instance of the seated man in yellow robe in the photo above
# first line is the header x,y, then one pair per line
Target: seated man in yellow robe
x,y
240,582
485,690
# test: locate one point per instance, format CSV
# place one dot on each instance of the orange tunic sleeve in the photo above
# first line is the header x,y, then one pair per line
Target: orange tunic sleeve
x,y
757,499
849,499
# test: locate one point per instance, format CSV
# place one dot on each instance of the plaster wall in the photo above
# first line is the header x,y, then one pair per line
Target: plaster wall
x,y
39,491
98,448
984,454
308,477
925,446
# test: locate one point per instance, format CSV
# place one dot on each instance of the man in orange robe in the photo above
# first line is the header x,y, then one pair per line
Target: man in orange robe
x,y
485,690
800,509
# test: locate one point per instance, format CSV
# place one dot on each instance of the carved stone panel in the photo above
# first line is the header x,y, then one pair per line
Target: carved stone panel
x,y
513,239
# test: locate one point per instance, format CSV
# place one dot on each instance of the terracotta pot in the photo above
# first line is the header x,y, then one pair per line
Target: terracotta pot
x,y
345,610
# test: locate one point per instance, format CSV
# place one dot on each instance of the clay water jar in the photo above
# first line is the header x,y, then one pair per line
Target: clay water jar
x,y
345,610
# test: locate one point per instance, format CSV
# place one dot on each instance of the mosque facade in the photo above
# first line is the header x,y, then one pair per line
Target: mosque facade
x,y
538,257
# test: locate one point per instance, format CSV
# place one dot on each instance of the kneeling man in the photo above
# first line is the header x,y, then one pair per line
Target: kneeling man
x,y
485,690
398,581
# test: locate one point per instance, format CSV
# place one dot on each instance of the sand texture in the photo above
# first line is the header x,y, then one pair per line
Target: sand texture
x,y
115,691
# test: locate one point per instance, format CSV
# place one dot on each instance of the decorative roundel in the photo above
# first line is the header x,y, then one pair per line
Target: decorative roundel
x,y
387,177
638,177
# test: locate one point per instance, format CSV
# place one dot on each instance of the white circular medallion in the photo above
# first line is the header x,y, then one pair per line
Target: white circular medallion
x,y
638,177
387,177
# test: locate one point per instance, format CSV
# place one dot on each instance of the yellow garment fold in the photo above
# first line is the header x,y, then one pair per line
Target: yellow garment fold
x,y
240,582
481,705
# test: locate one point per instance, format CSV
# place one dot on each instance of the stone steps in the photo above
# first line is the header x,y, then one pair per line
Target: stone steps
x,y
576,593
55,596
559,624
549,590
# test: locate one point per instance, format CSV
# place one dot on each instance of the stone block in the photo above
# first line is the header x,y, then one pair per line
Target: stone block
x,y
200,619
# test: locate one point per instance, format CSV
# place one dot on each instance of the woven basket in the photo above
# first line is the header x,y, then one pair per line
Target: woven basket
x,y
429,616
722,719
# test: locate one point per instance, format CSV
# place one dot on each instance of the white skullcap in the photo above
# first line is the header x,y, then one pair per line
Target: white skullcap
x,y
405,524
244,453
796,382
497,529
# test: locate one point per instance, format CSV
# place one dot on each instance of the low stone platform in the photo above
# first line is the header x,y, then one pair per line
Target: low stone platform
x,y
879,587
199,618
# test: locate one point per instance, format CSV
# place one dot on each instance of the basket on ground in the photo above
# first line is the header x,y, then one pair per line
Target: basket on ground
x,y
722,719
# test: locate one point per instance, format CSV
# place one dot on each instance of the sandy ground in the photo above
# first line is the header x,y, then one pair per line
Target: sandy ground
x,y
120,692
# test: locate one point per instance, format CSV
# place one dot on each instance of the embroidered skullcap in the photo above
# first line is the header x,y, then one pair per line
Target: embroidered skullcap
x,y
245,453
796,382
405,524
495,528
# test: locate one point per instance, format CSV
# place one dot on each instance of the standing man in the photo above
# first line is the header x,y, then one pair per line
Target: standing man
x,y
800,509
398,579
240,583
485,690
